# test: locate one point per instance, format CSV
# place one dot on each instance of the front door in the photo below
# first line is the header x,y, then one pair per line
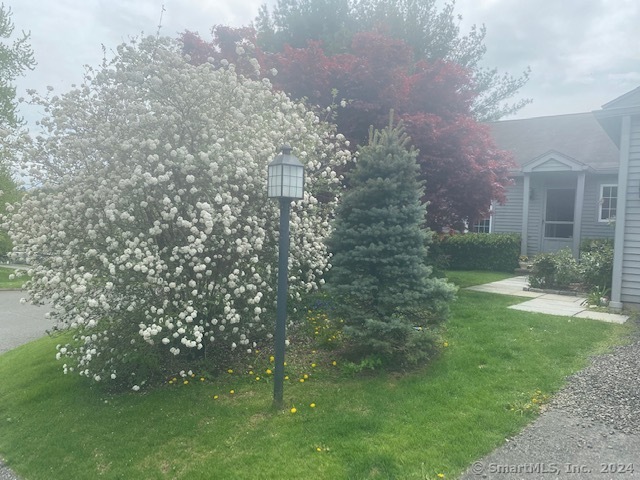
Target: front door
x,y
557,224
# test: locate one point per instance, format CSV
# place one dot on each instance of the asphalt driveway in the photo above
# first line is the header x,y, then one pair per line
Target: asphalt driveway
x,y
20,323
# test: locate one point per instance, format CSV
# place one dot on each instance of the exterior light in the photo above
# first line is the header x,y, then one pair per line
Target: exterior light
x,y
285,182
286,176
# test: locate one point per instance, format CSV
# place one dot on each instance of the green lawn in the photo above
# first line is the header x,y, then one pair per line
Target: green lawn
x,y
468,278
378,426
5,282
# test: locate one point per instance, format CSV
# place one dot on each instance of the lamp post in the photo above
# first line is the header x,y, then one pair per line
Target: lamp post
x,y
286,183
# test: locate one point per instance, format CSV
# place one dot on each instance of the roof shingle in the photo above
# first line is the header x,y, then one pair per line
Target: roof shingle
x,y
577,135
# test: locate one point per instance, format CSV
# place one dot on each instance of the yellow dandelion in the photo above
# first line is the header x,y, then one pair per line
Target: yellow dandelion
x,y
230,371
302,380
334,363
305,376
313,405
286,377
202,379
313,365
318,449
294,410
215,397
232,392
446,344
441,475
250,372
186,382
268,371
170,382
257,379
272,358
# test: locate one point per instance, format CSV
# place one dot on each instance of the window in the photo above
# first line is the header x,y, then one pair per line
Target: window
x,y
483,226
608,203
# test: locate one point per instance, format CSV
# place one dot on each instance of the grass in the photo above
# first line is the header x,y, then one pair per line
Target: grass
x,y
469,278
434,421
5,282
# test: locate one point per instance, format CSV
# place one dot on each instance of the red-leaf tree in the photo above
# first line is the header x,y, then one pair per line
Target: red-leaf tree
x,y
461,166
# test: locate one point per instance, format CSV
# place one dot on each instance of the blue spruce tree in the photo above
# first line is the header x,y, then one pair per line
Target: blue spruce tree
x,y
385,292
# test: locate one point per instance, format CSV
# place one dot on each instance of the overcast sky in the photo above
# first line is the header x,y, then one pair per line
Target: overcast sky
x,y
582,53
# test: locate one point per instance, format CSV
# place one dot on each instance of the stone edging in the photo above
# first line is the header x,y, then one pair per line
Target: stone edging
x,y
568,293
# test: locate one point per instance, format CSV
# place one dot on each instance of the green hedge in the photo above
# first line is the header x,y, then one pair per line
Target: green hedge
x,y
496,252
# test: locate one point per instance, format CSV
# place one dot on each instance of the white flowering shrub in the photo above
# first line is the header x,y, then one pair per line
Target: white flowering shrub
x,y
150,233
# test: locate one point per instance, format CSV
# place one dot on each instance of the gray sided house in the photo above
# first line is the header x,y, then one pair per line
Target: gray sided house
x,y
577,177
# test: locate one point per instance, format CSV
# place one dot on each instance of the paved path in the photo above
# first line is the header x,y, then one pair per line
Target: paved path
x,y
19,323
562,446
549,303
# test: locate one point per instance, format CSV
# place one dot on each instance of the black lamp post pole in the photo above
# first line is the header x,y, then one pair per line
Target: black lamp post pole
x,y
281,310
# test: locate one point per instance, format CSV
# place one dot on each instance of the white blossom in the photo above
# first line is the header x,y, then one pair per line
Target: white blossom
x,y
151,221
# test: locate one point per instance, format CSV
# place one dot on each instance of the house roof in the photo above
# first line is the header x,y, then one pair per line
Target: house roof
x,y
629,99
578,136
611,113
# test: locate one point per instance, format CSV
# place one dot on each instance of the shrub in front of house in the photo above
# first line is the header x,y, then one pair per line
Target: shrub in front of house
x,y
477,251
560,269
555,270
596,263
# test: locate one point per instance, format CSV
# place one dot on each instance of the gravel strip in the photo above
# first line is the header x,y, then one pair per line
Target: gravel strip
x,y
607,391
590,430
6,473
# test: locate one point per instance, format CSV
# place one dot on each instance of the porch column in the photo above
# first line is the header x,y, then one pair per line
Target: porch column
x,y
621,213
526,189
577,214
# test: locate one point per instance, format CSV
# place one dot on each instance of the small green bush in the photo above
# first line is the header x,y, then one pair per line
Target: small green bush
x,y
567,269
559,270
496,252
555,270
543,270
596,263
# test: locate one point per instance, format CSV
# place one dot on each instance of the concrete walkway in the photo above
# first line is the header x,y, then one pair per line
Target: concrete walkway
x,y
549,303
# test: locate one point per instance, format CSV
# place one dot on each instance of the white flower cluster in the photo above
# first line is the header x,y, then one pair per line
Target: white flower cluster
x,y
151,228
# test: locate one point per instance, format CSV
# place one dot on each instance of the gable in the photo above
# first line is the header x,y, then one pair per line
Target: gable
x,y
554,161
610,114
628,100
578,137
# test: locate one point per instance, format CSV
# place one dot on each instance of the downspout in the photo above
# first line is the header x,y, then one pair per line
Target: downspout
x,y
621,214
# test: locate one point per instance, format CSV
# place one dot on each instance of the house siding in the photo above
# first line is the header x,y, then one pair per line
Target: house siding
x,y
591,227
507,218
536,203
630,290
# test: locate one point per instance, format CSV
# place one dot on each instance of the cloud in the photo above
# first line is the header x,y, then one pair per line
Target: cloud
x,y
580,52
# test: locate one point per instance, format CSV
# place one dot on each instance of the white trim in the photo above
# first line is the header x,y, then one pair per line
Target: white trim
x,y
490,218
601,198
526,188
577,214
618,245
554,161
